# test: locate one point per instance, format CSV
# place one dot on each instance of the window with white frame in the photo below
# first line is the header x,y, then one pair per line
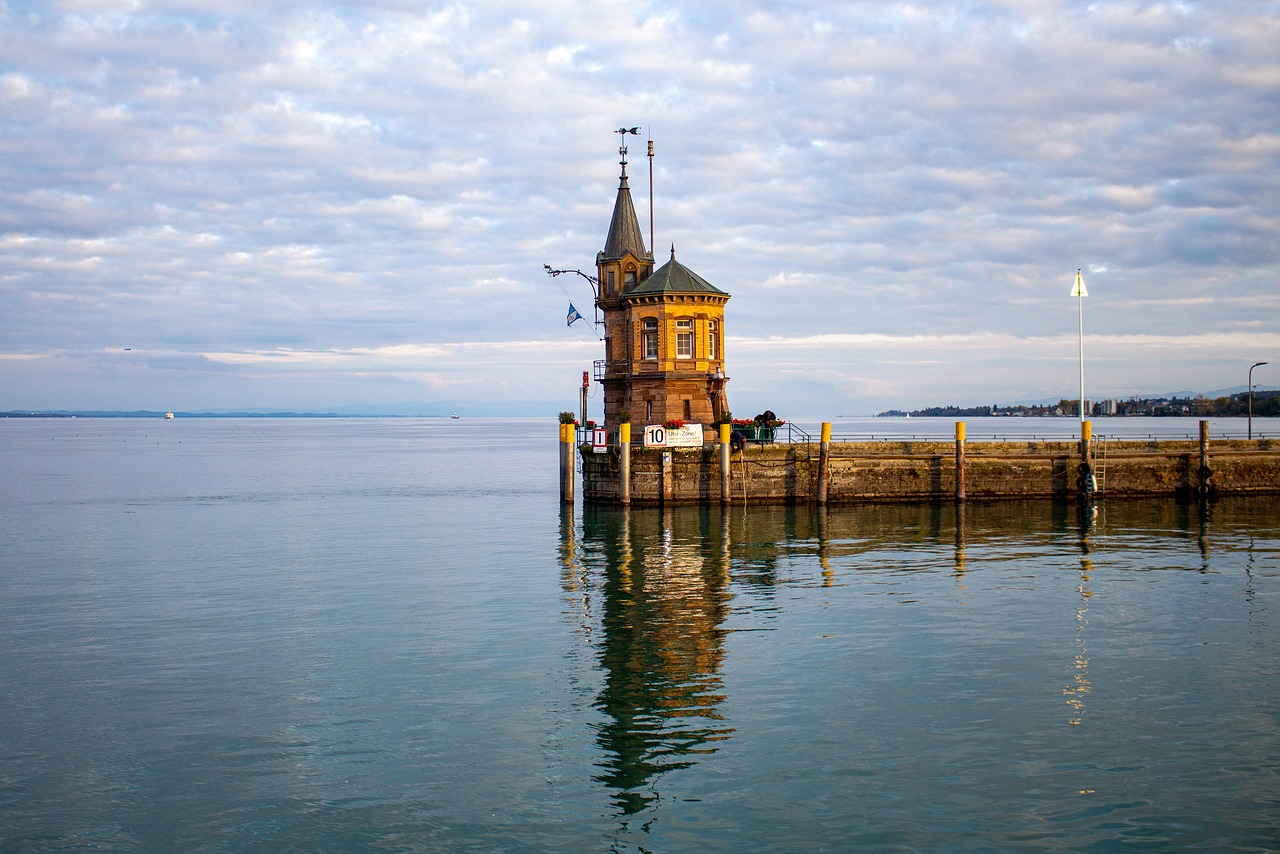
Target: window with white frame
x,y
713,340
651,338
684,339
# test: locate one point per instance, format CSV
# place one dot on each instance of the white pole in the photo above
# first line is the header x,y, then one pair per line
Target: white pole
x,y
1080,300
1080,293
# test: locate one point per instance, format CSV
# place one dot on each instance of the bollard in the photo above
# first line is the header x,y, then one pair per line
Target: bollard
x,y
960,460
624,463
824,459
726,438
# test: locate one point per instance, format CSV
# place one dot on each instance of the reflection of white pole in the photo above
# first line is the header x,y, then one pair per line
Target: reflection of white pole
x,y
1080,293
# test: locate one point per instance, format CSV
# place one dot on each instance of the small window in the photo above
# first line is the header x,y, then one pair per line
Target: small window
x,y
684,339
609,290
629,277
713,341
651,338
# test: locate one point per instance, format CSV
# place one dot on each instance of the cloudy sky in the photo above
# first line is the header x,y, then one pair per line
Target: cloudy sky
x,y
314,205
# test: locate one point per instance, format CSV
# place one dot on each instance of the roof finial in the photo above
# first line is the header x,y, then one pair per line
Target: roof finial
x,y
622,149
673,252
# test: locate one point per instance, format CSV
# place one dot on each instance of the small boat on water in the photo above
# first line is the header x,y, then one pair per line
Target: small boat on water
x,y
454,416
168,416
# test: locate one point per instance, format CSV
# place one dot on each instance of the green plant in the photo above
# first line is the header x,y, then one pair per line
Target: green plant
x,y
624,417
568,418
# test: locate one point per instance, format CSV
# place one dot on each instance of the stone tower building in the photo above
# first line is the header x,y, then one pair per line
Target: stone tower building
x,y
663,330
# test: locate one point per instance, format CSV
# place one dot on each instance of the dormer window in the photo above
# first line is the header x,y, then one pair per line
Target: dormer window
x,y
629,277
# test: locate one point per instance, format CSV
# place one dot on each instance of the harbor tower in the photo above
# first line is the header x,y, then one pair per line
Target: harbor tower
x,y
663,330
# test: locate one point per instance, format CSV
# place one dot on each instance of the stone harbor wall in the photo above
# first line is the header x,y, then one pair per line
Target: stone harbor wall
x,y
915,471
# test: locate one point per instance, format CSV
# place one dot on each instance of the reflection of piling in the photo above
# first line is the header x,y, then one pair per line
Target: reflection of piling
x,y
959,461
624,463
824,457
726,436
566,463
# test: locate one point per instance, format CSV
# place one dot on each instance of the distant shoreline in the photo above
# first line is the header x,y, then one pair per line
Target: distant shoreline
x,y
161,415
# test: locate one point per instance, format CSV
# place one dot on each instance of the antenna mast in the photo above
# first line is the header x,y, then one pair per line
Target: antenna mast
x,y
651,244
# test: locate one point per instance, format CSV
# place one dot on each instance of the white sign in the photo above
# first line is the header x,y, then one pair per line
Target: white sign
x,y
600,440
658,436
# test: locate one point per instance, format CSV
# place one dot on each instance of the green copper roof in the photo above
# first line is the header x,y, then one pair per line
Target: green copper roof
x,y
673,278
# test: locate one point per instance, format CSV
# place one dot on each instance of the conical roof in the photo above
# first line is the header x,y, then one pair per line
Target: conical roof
x,y
673,278
624,231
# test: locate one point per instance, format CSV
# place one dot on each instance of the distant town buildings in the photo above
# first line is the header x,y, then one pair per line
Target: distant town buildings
x,y
1266,403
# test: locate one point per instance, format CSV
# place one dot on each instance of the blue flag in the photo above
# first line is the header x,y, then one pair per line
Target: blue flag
x,y
573,315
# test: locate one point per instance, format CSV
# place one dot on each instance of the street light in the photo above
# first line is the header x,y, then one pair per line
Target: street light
x,y
1251,367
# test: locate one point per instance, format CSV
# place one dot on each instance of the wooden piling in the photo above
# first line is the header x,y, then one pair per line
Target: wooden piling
x,y
726,444
1205,473
824,457
624,463
566,463
1084,471
960,429
668,480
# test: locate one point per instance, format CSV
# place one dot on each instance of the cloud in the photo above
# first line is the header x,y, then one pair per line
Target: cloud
x,y
261,191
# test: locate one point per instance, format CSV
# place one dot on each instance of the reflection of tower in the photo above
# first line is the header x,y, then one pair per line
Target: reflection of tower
x,y
665,598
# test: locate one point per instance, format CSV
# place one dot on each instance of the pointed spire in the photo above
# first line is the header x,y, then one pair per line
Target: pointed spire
x,y
624,231
673,252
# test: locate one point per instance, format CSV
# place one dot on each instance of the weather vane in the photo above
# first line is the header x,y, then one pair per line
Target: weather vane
x,y
622,149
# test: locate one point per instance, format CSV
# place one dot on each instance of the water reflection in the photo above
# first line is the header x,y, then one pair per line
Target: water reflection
x,y
662,582
654,594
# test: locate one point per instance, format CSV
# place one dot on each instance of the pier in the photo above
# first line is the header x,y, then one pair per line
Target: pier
x,y
824,471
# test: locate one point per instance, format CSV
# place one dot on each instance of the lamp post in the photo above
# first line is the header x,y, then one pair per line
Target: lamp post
x,y
1079,291
1251,367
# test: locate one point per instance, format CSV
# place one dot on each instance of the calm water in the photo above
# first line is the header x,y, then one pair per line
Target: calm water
x,y
386,635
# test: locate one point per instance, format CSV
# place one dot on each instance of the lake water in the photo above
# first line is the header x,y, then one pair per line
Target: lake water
x,y
387,635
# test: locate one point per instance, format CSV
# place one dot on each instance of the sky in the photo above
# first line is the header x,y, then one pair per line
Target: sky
x,y
308,206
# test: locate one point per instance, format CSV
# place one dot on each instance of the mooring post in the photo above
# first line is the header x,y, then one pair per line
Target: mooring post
x,y
624,462
1084,473
668,481
1205,472
566,463
824,458
726,443
959,461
